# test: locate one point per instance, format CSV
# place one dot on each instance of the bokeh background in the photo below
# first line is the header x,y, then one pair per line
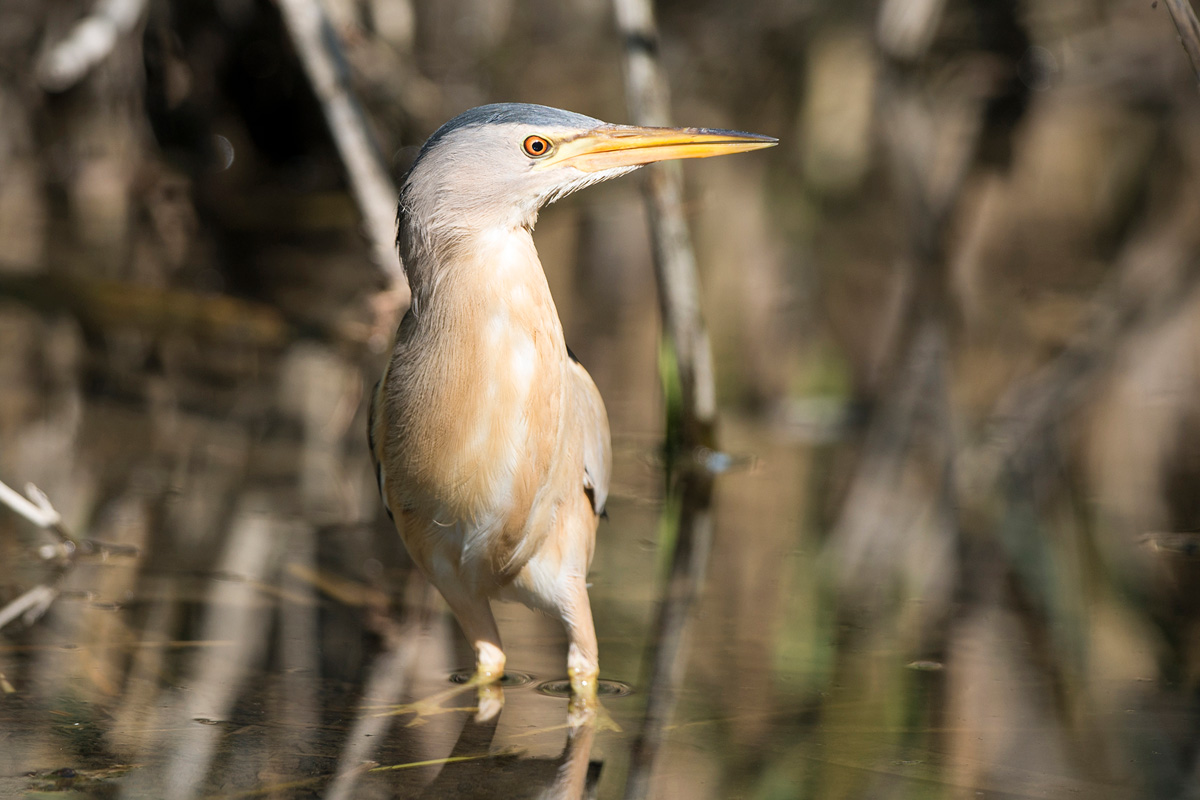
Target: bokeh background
x,y
956,324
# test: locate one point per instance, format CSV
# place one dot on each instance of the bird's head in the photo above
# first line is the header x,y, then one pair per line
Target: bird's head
x,y
495,166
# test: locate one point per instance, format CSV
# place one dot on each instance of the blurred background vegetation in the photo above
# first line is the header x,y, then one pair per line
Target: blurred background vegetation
x,y
956,325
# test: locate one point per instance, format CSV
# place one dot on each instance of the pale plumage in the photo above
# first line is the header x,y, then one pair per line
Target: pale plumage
x,y
491,442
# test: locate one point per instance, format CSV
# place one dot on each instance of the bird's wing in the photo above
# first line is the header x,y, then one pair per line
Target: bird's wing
x,y
597,445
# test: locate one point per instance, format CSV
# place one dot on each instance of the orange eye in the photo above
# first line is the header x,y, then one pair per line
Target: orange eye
x,y
536,146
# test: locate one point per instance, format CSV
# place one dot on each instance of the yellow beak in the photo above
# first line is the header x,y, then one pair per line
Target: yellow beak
x,y
627,146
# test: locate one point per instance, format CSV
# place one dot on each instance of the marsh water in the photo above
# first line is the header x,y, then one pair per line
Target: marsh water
x,y
245,622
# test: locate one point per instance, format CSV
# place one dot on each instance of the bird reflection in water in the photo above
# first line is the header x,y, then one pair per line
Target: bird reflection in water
x,y
570,776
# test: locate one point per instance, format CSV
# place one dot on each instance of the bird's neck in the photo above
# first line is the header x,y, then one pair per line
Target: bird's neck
x,y
484,268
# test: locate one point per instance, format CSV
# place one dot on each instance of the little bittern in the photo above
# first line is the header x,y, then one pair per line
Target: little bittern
x,y
491,442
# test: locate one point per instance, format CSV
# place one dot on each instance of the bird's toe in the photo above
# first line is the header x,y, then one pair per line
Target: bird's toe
x,y
589,711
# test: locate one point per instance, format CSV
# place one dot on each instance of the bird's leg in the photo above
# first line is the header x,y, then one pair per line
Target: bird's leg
x,y
474,615
583,663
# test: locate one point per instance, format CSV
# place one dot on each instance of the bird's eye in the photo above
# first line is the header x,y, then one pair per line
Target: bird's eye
x,y
536,146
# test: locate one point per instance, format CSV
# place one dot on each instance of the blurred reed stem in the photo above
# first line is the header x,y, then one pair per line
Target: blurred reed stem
x,y
374,191
1189,30
648,97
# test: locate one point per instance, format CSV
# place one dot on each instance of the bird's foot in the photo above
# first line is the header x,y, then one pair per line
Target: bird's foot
x,y
585,708
583,670
584,678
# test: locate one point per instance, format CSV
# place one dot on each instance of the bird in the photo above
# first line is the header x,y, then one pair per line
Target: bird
x,y
490,441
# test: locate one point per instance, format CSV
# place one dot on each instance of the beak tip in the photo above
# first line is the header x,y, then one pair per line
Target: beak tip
x,y
748,141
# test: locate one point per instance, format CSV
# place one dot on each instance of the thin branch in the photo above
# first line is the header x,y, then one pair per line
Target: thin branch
x,y
674,257
91,41
31,605
1189,30
41,512
37,509
374,191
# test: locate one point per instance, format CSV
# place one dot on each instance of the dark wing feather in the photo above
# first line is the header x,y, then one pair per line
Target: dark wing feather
x,y
375,455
